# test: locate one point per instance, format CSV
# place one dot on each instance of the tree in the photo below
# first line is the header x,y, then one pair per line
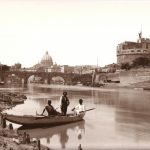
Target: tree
x,y
141,61
125,66
5,68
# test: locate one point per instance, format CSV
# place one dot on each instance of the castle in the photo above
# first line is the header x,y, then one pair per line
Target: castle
x,y
128,51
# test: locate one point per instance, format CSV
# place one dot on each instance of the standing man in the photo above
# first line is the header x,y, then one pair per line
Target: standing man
x,y
64,102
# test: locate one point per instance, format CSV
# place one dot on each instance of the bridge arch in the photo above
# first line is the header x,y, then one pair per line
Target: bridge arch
x,y
13,78
35,79
57,80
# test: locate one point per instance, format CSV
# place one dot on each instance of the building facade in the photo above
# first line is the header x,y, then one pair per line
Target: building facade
x,y
128,51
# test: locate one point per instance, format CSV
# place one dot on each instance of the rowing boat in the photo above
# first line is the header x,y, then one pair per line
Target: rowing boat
x,y
36,121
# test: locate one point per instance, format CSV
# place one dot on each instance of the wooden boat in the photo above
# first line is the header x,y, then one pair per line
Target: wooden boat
x,y
36,121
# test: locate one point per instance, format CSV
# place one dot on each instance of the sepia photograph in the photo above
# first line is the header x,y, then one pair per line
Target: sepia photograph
x,y
74,75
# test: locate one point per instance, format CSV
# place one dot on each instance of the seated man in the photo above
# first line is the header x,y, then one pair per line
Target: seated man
x,y
50,109
79,108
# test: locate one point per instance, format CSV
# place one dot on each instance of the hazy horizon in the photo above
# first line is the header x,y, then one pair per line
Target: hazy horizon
x,y
74,32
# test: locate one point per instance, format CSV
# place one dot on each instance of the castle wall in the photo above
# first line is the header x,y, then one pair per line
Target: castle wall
x,y
128,58
129,51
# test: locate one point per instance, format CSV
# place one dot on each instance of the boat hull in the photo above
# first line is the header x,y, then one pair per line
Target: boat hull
x,y
36,121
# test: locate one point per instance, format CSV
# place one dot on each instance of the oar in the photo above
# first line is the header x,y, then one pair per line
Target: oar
x,y
85,110
57,108
89,109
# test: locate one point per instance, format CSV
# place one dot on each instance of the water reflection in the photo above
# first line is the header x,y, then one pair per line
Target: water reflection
x,y
63,138
128,100
80,130
121,117
133,125
132,115
61,132
105,97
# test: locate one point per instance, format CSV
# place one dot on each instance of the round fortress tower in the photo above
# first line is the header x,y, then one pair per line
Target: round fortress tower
x,y
129,51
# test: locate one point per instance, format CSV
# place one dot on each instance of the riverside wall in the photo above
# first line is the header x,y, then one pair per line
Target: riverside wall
x,y
130,77
134,76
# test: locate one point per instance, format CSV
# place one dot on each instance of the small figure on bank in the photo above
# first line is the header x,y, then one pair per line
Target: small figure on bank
x,y
79,108
50,109
28,139
64,102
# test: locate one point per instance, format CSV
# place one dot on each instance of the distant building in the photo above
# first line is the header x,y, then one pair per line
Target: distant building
x,y
129,51
46,61
110,68
45,65
67,69
16,67
85,69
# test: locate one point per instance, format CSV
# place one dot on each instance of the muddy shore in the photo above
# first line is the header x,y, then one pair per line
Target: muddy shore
x,y
11,140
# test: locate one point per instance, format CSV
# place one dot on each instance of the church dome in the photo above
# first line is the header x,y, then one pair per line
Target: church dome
x,y
46,60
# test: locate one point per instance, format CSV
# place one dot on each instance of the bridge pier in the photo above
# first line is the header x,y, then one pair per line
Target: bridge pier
x,y
45,81
22,81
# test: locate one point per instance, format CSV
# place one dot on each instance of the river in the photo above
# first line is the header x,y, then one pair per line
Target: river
x,y
121,118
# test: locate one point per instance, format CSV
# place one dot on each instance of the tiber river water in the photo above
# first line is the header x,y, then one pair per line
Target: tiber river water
x,y
121,118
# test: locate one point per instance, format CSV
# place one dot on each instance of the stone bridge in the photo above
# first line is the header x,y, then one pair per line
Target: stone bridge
x,y
105,77
69,78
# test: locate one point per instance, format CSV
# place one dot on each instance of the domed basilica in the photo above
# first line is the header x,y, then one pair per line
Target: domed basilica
x,y
46,60
45,64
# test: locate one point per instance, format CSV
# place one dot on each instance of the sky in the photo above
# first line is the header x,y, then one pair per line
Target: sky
x,y
74,32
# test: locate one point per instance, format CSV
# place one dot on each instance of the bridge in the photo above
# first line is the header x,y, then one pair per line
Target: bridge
x,y
65,78
47,77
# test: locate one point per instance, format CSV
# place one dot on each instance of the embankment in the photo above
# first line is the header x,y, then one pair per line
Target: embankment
x,y
132,78
135,76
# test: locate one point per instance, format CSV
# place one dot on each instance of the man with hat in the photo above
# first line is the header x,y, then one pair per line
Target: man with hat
x,y
64,102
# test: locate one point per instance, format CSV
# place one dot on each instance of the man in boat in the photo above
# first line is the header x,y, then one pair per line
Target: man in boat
x,y
80,108
64,102
50,109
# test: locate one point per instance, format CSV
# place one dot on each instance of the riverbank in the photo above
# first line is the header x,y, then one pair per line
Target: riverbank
x,y
10,139
107,86
4,106
78,87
